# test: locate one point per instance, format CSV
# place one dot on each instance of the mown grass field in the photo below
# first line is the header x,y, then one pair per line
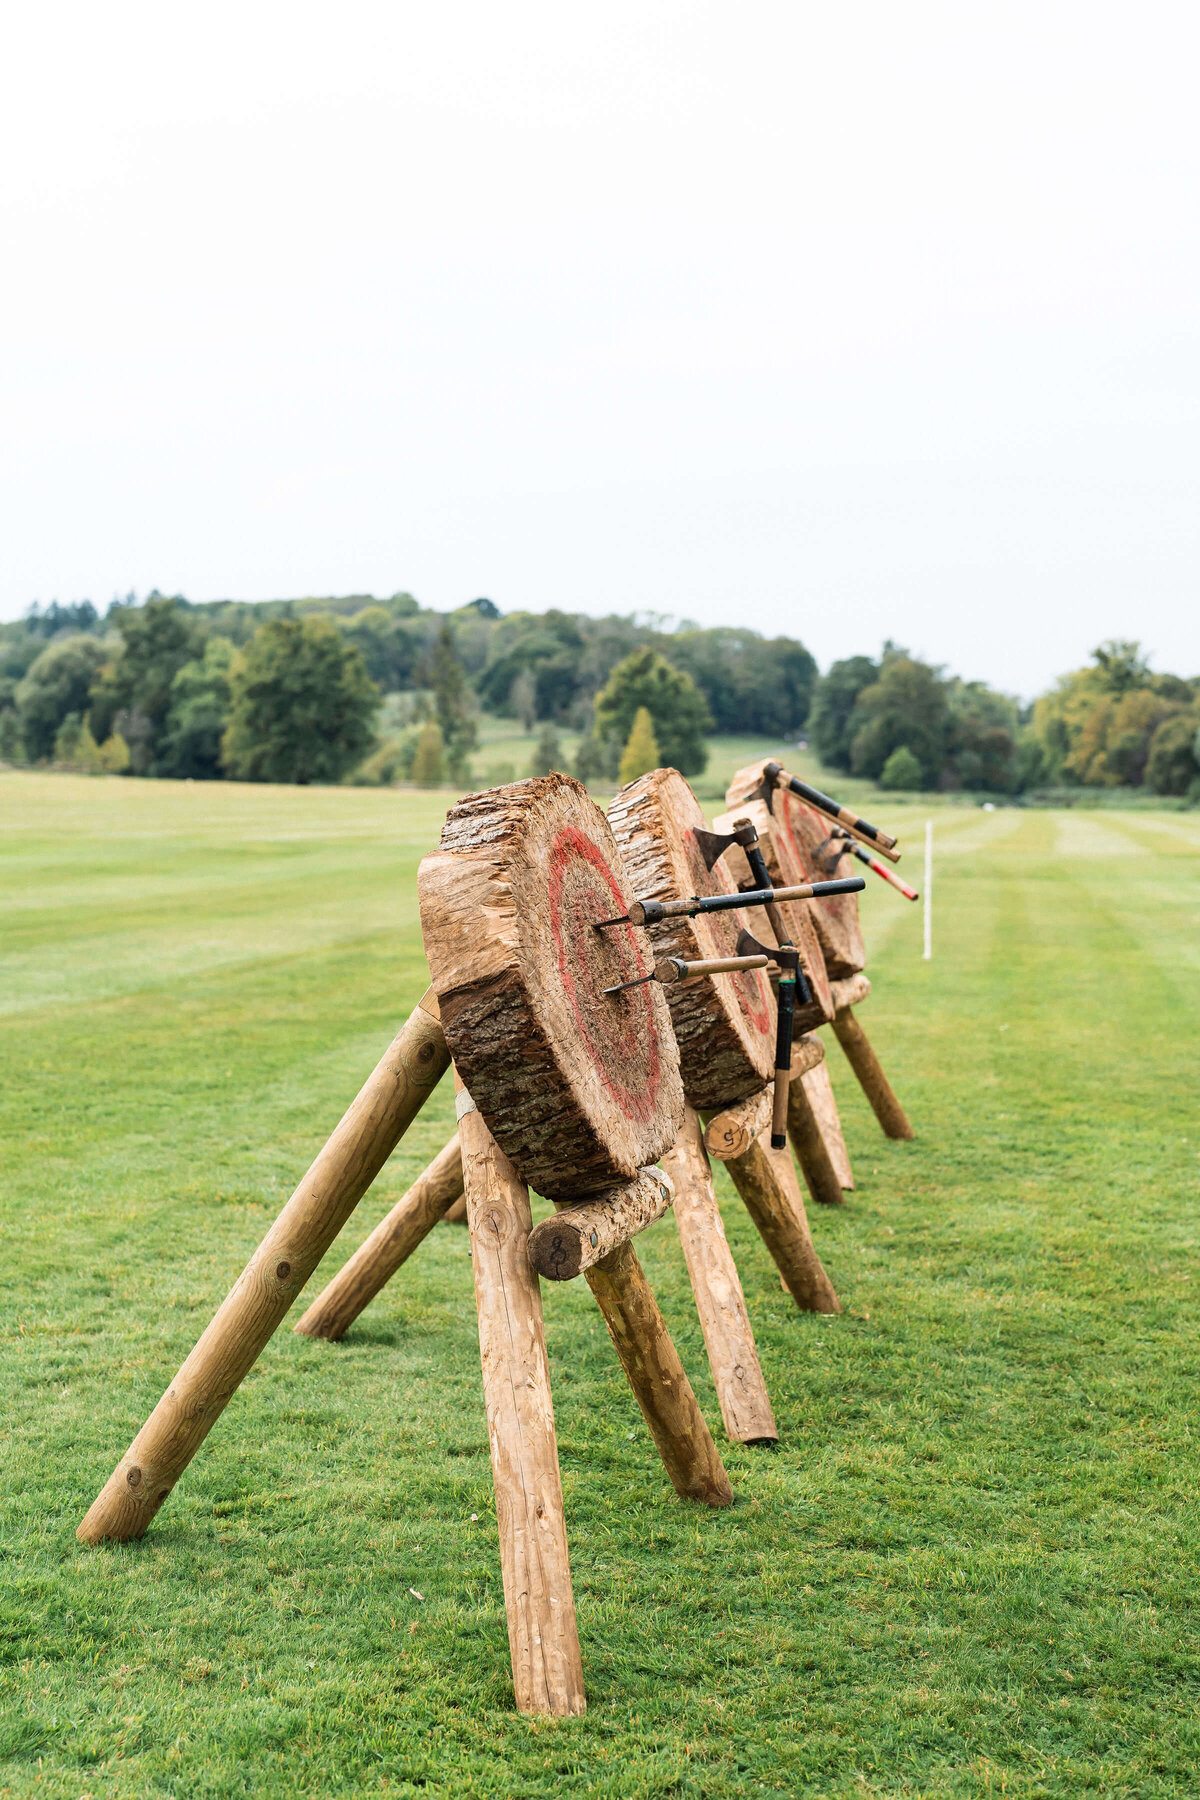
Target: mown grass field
x,y
973,1565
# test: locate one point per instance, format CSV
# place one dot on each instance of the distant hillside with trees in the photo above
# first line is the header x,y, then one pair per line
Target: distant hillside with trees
x,y
907,724
295,690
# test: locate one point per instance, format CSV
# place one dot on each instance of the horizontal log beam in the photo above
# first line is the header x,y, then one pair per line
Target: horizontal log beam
x,y
584,1231
731,1132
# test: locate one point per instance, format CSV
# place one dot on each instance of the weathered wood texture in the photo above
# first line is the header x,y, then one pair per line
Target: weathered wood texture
x,y
766,1181
728,1338
657,1377
543,1637
583,1231
812,1152
409,1071
729,1132
871,1078
819,1089
799,916
456,1214
850,992
391,1243
725,1025
805,852
580,1089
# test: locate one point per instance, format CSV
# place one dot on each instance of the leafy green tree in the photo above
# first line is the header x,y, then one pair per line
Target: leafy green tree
x,y
303,705
547,754
751,683
201,692
677,708
159,638
593,761
834,699
1172,764
901,772
640,754
427,769
58,684
453,702
982,739
12,746
909,706
75,747
522,699
1121,666
113,754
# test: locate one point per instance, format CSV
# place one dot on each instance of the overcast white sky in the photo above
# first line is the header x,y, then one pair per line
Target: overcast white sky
x,y
851,321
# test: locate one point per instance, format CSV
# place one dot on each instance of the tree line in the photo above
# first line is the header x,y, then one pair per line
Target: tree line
x,y
293,691
908,724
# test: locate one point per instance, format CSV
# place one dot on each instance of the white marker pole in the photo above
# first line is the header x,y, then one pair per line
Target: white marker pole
x,y
928,890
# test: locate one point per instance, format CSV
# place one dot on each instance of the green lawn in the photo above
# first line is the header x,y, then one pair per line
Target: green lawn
x,y
972,1566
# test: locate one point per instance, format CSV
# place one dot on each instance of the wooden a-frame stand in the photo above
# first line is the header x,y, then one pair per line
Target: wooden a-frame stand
x,y
543,1638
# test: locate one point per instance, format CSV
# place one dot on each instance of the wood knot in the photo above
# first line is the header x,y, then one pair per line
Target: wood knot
x,y
134,1478
282,1271
426,1053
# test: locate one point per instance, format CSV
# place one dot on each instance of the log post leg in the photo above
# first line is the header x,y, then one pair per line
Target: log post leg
x,y
766,1180
658,1379
874,1083
812,1152
729,1340
390,1244
819,1089
543,1638
393,1095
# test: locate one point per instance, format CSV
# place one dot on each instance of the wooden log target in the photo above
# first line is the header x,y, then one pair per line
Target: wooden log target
x,y
580,1089
805,852
724,1024
799,916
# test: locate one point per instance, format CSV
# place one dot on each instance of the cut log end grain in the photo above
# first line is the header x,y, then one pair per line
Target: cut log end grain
x,y
579,1088
584,1231
724,1024
807,852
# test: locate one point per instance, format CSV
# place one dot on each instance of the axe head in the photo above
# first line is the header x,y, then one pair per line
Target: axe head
x,y
786,958
712,844
765,790
830,852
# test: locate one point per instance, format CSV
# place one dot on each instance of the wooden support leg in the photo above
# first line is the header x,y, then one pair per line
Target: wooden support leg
x,y
390,1244
874,1083
411,1068
543,1638
732,1354
812,1152
819,1089
766,1180
656,1375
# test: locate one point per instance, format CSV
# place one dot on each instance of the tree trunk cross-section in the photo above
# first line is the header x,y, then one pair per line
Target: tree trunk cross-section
x,y
805,852
724,1024
580,1089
